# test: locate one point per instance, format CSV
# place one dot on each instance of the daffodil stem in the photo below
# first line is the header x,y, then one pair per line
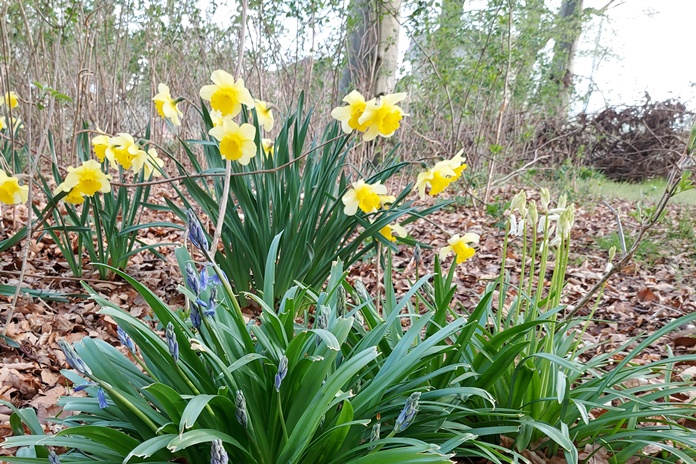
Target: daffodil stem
x,y
223,208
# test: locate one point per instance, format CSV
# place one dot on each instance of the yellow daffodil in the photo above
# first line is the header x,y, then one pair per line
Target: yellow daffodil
x,y
368,197
440,176
166,106
226,95
382,116
236,142
267,145
390,229
265,115
460,247
10,99
100,143
123,150
85,180
153,165
3,123
350,114
11,193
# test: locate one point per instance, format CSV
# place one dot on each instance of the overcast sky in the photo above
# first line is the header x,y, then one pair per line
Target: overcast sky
x,y
651,48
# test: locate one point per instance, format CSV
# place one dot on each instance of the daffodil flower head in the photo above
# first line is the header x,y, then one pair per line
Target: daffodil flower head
x,y
350,114
368,197
100,143
216,118
3,122
153,165
10,99
389,230
382,116
264,115
11,193
166,106
460,247
267,145
236,142
226,95
85,180
440,176
123,151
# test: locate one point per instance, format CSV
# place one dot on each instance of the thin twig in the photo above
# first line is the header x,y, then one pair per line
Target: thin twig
x,y
670,191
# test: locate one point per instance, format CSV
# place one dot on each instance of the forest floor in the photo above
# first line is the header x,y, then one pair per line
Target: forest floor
x,y
656,288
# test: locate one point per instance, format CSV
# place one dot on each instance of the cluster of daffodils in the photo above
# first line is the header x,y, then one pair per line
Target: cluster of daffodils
x,y
440,176
379,116
226,97
382,117
543,219
369,198
121,150
10,101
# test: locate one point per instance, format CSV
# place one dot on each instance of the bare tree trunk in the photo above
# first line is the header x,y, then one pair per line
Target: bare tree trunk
x,y
570,28
388,47
362,44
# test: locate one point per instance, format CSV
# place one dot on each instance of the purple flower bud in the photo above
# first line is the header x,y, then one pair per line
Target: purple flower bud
x,y
203,280
84,386
195,231
192,281
195,316
218,455
210,307
125,339
241,411
408,413
171,341
101,396
73,359
282,371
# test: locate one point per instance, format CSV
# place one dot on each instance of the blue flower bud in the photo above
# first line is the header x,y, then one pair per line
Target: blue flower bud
x,y
195,316
282,371
195,231
192,281
101,396
203,280
408,413
125,339
218,455
171,341
84,386
53,458
73,359
241,411
210,307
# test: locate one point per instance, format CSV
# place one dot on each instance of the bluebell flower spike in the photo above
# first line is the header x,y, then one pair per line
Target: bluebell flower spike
x,y
195,231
